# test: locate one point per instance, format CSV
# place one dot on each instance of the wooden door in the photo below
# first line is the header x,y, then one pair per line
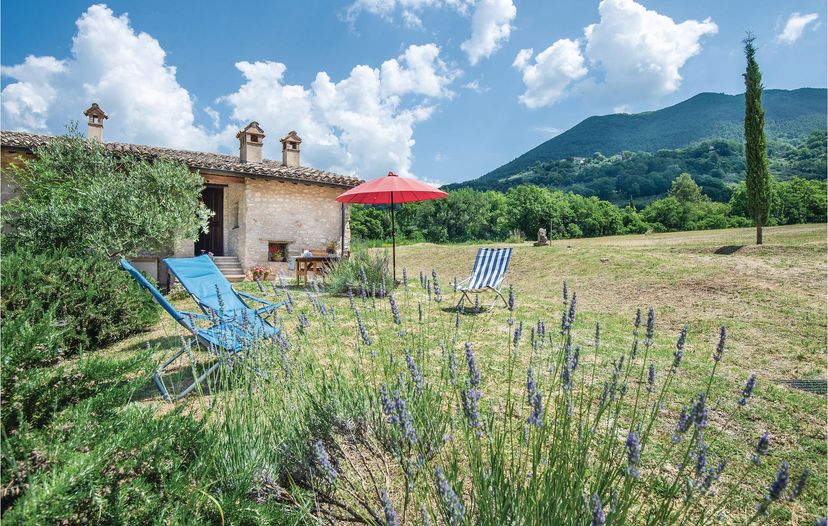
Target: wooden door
x,y
213,239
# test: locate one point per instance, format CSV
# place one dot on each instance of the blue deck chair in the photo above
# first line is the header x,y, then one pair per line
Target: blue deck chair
x,y
489,269
220,334
217,298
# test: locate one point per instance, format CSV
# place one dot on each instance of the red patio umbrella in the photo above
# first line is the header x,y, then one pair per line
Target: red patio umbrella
x,y
390,190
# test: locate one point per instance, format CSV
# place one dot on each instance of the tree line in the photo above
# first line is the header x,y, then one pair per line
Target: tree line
x,y
472,215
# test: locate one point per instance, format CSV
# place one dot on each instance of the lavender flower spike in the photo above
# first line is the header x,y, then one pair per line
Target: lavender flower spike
x,y
390,514
682,425
651,378
416,376
748,390
474,373
531,388
762,447
363,332
323,463
678,354
720,347
471,410
650,326
388,405
777,487
598,517
395,309
536,418
405,423
452,504
633,455
799,486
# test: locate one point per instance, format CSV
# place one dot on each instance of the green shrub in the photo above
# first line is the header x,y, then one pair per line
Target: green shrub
x,y
76,194
347,274
88,301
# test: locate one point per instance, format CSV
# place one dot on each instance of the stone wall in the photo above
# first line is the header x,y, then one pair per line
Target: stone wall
x,y
306,216
234,214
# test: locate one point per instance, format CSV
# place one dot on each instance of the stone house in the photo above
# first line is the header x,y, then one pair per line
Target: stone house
x,y
265,211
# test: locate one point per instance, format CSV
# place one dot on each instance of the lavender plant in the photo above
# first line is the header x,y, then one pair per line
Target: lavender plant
x,y
404,434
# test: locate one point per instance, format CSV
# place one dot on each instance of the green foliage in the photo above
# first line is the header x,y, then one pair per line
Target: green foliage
x,y
88,301
75,194
93,461
526,208
707,116
685,189
368,222
347,274
757,178
792,202
464,215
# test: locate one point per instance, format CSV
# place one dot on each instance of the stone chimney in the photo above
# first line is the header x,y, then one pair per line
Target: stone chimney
x,y
250,143
290,149
95,116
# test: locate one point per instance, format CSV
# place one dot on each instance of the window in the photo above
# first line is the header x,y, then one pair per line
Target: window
x,y
236,215
277,251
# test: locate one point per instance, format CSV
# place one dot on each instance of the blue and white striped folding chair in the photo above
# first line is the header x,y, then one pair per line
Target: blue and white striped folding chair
x,y
489,269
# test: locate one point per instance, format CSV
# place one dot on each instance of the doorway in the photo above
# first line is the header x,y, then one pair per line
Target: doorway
x,y
213,239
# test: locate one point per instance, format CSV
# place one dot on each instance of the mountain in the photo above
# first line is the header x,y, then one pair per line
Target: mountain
x,y
790,115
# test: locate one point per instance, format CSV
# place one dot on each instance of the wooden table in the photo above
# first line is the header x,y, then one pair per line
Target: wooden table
x,y
315,264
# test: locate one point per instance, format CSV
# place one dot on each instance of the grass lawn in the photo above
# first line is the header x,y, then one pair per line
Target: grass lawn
x,y
771,298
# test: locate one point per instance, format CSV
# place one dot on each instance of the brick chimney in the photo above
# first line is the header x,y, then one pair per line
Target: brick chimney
x,y
250,143
95,116
290,149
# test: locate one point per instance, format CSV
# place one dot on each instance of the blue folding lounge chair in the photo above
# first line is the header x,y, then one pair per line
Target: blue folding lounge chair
x,y
217,298
489,269
220,334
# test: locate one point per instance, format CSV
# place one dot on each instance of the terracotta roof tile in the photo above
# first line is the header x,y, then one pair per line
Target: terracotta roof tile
x,y
201,161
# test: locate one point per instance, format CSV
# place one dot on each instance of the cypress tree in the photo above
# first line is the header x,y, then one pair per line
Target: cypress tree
x,y
757,178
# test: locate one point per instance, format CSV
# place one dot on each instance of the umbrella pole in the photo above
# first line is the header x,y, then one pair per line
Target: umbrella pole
x,y
393,241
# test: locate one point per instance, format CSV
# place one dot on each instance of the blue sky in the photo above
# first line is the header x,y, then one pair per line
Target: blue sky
x,y
445,90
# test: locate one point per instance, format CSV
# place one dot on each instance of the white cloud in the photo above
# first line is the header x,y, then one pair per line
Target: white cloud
x,y
124,71
633,54
641,51
491,26
26,103
408,9
362,124
549,131
356,125
794,27
475,86
422,73
554,68
214,116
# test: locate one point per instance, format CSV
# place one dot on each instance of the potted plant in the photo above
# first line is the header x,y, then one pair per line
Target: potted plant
x,y
331,246
260,273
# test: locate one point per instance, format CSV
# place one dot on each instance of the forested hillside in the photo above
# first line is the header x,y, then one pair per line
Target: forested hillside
x,y
621,157
642,176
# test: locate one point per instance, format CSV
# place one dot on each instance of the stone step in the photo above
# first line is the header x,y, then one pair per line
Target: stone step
x,y
230,267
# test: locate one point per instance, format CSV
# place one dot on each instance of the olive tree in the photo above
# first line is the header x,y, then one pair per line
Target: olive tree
x,y
76,194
